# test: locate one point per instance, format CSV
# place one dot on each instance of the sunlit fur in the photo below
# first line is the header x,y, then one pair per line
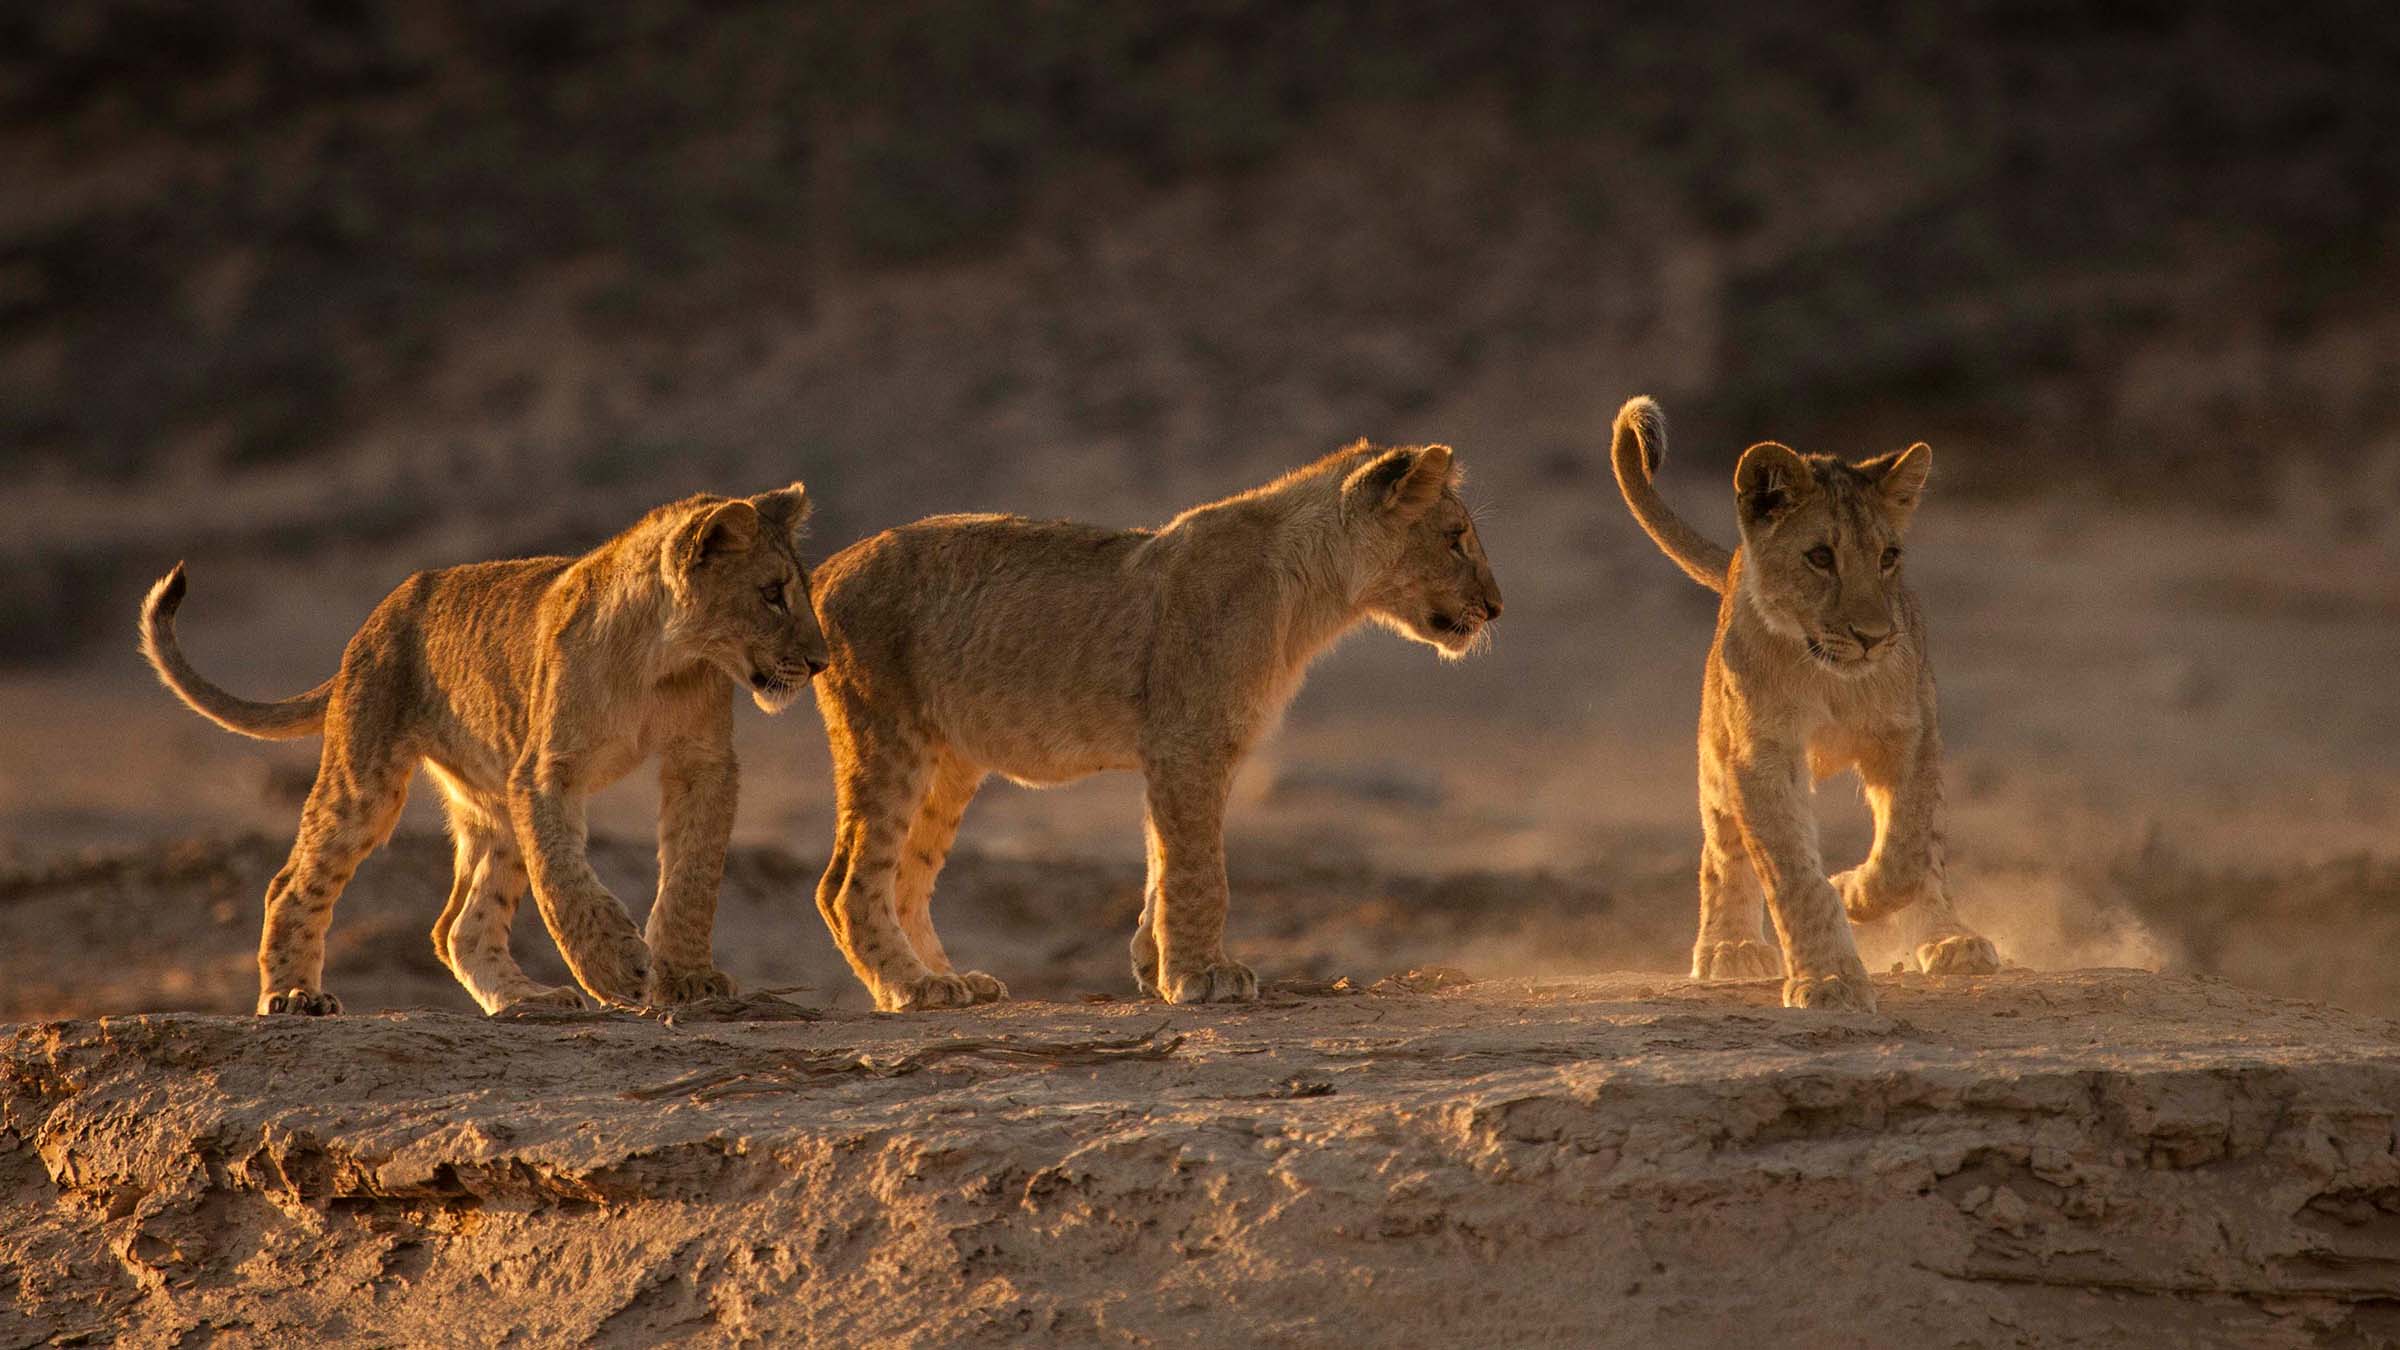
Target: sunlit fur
x,y
1046,650
1819,665
523,687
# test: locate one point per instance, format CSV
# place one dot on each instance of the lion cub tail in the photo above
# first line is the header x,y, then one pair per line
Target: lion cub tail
x,y
291,718
1639,445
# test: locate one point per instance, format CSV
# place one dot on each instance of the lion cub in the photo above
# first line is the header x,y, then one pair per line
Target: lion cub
x,y
524,687
1045,651
1819,665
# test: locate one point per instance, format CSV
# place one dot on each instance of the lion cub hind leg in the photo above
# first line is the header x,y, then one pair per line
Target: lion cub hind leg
x,y
880,778
349,814
954,783
1145,934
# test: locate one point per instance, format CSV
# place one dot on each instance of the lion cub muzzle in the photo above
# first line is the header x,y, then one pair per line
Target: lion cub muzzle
x,y
775,689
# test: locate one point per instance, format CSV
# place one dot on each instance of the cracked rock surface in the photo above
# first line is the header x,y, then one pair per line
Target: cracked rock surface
x,y
2096,1158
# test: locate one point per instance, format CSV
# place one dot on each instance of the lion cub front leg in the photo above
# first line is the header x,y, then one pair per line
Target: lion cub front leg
x,y
1733,909
1820,960
603,948
1186,918
698,782
1903,880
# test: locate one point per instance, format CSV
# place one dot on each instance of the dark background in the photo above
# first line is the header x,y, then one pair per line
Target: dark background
x,y
2146,249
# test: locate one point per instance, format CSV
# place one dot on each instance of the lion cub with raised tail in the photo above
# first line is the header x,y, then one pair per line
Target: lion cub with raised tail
x,y
524,687
1819,665
1044,651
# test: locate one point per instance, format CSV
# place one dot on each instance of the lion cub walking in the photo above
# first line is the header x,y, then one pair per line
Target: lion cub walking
x,y
1819,665
970,645
524,687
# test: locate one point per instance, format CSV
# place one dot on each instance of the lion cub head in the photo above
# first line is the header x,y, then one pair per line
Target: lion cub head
x,y
1821,547
741,599
1429,579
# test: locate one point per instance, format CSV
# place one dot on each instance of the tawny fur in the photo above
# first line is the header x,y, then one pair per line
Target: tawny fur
x,y
1819,665
523,687
1044,651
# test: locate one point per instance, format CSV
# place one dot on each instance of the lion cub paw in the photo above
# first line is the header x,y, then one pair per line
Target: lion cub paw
x,y
1736,961
1958,954
545,996
1219,982
665,989
615,968
303,1002
929,992
1145,970
984,988
1832,992
1864,897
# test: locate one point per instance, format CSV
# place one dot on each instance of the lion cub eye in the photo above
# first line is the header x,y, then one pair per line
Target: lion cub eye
x,y
773,595
1891,559
1820,558
1458,543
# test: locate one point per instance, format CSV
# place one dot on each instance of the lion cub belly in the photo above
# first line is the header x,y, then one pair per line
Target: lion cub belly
x,y
480,766
1045,748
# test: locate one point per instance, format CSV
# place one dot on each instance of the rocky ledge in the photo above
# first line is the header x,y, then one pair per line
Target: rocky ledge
x,y
2095,1158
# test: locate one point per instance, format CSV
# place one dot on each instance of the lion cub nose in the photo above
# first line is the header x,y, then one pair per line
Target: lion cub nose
x,y
1869,639
1491,605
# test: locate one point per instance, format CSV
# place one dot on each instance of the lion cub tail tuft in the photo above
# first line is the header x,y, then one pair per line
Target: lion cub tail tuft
x,y
289,719
1639,445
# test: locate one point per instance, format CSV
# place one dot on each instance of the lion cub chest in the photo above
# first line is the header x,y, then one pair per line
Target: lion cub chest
x,y
1859,719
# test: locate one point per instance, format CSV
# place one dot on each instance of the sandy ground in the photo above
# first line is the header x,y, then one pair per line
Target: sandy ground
x,y
176,928
2107,1158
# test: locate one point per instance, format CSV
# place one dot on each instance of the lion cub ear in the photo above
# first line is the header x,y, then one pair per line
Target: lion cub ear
x,y
1404,481
1770,481
787,509
728,527
1900,477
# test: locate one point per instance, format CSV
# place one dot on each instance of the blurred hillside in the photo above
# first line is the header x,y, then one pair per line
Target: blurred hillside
x,y
366,286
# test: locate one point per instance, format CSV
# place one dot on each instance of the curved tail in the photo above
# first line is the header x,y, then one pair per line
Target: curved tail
x,y
287,720
1640,443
